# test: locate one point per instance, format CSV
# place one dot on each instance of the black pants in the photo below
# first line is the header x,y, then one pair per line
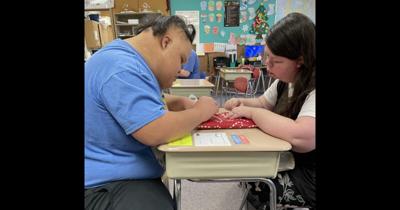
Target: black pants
x,y
294,188
130,195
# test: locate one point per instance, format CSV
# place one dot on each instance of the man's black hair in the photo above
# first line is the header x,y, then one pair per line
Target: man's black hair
x,y
160,25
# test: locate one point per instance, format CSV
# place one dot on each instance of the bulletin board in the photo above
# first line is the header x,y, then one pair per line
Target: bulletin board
x,y
212,17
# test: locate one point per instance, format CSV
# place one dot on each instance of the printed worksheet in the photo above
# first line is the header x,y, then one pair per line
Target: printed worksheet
x,y
211,139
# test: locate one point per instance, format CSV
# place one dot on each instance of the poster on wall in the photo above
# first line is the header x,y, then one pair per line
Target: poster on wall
x,y
232,14
213,14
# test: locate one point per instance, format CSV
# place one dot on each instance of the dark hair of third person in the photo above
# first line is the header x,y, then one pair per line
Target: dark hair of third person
x,y
292,37
161,24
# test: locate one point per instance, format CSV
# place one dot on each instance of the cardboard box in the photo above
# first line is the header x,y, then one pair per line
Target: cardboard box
x,y
92,34
106,34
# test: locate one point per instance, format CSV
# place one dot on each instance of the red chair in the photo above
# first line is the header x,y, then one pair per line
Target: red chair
x,y
241,85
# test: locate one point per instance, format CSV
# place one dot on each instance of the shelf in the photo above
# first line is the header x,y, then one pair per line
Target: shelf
x,y
126,24
124,36
136,13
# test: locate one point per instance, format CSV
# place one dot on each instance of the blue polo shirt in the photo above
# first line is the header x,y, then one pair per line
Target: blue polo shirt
x,y
121,96
192,65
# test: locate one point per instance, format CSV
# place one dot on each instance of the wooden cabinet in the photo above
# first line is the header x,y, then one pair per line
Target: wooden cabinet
x,y
126,22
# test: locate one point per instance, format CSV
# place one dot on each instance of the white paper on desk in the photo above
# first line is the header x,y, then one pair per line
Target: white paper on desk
x,y
211,139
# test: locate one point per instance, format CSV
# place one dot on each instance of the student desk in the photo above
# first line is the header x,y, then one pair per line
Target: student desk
x,y
255,161
197,87
230,74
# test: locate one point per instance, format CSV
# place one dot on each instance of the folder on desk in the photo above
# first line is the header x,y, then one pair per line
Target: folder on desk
x,y
184,141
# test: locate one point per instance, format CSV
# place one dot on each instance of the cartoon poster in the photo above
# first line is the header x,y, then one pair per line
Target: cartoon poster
x,y
203,5
211,6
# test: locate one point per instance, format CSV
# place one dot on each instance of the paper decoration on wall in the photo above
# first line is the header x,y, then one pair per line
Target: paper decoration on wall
x,y
232,39
242,39
219,47
243,5
208,47
222,33
250,2
252,14
230,47
260,24
263,39
203,17
218,5
245,28
215,30
243,16
250,39
271,9
211,5
211,17
219,17
203,5
207,29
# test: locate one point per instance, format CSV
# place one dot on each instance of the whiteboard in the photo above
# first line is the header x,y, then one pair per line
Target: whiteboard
x,y
284,7
99,4
192,17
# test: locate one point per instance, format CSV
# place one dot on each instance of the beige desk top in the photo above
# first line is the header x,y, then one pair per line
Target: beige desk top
x,y
258,141
186,83
237,71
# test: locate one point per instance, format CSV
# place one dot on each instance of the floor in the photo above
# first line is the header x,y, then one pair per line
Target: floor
x,y
210,196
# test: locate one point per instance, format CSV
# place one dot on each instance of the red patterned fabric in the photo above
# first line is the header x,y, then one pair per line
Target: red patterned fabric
x,y
219,121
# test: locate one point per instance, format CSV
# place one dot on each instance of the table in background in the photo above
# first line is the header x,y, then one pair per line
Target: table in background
x,y
186,87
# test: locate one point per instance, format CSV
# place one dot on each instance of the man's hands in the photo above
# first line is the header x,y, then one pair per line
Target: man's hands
x,y
208,107
232,103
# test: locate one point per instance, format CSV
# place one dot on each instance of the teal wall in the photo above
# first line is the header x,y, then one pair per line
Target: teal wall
x,y
247,8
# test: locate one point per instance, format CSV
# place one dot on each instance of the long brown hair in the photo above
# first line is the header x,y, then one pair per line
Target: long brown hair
x,y
292,37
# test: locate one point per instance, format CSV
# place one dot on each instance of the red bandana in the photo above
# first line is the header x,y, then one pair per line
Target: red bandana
x,y
219,121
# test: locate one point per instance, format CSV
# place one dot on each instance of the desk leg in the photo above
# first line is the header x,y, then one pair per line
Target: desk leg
x,y
177,193
216,89
262,81
272,193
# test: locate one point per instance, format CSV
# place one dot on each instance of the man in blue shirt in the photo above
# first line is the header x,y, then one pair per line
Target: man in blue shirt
x,y
190,70
126,115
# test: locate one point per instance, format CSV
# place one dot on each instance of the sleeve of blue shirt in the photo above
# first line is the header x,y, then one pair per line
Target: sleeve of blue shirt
x,y
192,65
134,100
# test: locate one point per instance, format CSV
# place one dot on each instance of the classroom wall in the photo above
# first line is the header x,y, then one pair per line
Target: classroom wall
x,y
208,17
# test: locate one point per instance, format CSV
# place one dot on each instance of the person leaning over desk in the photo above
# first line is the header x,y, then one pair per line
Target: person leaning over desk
x,y
125,115
190,70
287,109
